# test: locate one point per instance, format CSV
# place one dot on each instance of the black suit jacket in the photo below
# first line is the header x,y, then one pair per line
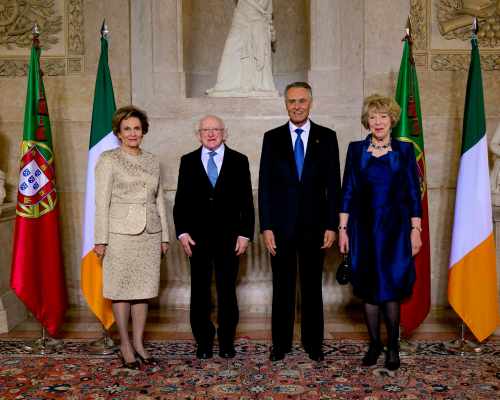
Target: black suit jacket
x,y
224,212
305,208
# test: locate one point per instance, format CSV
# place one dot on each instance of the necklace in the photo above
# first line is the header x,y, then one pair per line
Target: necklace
x,y
380,146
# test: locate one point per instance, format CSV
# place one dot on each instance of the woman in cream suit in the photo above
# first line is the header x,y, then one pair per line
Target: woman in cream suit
x,y
130,229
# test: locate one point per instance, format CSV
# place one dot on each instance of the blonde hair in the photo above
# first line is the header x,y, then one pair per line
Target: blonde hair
x,y
379,103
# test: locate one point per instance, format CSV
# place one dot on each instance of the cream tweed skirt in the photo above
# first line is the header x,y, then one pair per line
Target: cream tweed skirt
x,y
131,266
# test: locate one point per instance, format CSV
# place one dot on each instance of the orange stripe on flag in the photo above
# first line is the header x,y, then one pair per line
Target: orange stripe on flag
x,y
91,282
472,289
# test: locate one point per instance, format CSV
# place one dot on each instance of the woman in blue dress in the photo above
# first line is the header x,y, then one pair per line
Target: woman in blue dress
x,y
380,223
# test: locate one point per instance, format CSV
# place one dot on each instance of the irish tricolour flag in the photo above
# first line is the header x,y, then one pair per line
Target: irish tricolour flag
x,y
472,287
101,139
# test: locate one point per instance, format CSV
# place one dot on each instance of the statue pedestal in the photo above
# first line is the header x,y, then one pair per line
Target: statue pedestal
x,y
254,94
12,310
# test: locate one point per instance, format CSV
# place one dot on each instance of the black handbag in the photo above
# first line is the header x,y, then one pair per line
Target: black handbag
x,y
344,271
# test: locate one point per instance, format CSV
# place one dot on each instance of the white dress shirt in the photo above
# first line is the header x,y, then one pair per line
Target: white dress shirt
x,y
218,158
304,136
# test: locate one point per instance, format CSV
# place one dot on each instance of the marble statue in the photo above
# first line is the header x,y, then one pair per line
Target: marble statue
x,y
245,67
495,172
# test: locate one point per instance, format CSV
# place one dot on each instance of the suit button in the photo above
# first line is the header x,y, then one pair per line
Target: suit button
x,y
211,198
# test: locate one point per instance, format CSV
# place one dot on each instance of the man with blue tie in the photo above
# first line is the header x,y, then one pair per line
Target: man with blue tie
x,y
299,194
214,221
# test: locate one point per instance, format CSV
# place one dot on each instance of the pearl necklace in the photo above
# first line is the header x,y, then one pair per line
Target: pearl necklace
x,y
380,146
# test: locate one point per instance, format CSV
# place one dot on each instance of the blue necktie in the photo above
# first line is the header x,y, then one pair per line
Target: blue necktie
x,y
212,168
299,152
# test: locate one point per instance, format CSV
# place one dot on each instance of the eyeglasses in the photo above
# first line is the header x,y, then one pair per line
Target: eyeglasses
x,y
208,130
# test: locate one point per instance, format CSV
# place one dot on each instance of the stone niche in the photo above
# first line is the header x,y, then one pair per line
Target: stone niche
x,y
205,26
176,46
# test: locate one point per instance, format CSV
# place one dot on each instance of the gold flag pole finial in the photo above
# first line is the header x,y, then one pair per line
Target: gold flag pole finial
x,y
104,29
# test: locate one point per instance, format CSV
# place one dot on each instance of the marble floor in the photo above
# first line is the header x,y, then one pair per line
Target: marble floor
x,y
174,324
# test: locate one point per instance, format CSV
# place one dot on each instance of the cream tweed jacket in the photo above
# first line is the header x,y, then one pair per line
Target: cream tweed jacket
x,y
128,195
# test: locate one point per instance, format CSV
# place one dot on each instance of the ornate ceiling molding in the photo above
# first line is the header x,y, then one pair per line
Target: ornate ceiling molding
x,y
460,62
16,21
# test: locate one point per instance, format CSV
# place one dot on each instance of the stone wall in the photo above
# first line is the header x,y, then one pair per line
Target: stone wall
x,y
353,48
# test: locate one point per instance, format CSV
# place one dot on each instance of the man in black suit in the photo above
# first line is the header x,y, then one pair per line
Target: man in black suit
x,y
299,193
214,221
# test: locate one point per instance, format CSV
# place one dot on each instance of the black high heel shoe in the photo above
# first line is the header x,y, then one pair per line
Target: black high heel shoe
x,y
146,361
392,361
372,355
130,365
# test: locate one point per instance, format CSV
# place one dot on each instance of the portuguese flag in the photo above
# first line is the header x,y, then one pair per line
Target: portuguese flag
x,y
409,129
101,139
37,275
472,280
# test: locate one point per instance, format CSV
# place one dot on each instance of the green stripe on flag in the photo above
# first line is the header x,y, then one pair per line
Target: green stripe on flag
x,y
104,99
474,127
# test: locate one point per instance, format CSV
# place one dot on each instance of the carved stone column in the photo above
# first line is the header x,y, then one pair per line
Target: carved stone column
x,y
337,35
156,52
12,310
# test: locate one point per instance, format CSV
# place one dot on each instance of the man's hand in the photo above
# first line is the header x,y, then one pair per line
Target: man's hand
x,y
241,245
269,241
186,243
100,250
328,239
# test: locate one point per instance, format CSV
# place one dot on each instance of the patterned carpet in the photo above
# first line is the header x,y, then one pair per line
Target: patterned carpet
x,y
431,372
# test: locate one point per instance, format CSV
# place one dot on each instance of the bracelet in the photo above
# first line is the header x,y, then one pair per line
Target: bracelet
x,y
418,228
342,227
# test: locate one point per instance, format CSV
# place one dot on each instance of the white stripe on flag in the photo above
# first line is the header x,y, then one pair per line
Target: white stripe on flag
x,y
108,142
472,222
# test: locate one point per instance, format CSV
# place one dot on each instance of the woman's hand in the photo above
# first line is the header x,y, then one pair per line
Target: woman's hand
x,y
164,248
100,250
343,241
416,242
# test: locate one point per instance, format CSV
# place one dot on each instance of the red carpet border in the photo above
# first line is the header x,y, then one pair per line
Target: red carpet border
x,y
431,372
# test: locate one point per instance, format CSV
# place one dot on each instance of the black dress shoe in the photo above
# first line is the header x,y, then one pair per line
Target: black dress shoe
x,y
204,353
276,354
146,361
392,361
317,355
372,355
227,352
130,365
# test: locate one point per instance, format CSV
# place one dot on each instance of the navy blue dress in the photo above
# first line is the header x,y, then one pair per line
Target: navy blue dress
x,y
381,195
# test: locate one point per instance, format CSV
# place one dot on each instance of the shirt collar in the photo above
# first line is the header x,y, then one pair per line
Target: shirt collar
x,y
219,150
306,127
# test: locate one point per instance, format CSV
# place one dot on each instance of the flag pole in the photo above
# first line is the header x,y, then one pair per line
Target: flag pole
x,y
43,345
105,344
463,346
405,346
40,346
